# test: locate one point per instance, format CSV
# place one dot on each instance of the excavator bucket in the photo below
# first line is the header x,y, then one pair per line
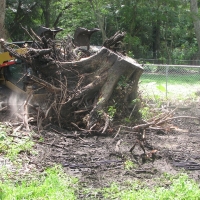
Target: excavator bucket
x,y
47,32
82,36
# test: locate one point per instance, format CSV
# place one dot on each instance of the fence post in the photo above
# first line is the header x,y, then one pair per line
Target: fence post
x,y
167,70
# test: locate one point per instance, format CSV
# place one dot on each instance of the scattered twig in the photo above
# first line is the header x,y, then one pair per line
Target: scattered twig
x,y
35,35
3,108
165,117
141,139
81,129
117,147
18,128
132,111
172,118
118,132
84,130
106,122
29,34
92,126
47,112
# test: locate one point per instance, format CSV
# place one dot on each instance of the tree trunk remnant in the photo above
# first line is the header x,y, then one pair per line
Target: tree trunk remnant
x,y
81,90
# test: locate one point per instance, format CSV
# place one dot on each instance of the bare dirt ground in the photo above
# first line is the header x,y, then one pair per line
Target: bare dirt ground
x,y
98,160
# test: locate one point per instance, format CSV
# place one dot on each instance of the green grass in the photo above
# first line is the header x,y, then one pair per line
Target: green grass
x,y
178,86
181,188
53,184
15,185
172,78
128,165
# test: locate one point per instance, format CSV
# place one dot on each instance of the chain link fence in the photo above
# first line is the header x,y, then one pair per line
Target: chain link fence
x,y
180,80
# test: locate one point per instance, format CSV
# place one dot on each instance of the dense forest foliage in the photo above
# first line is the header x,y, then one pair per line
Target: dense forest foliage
x,y
155,28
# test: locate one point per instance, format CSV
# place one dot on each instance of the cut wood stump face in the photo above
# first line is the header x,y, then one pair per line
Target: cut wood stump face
x,y
81,91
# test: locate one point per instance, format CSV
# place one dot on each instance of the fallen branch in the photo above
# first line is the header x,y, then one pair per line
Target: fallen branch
x,y
152,124
106,122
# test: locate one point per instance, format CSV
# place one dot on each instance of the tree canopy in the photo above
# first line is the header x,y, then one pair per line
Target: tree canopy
x,y
155,29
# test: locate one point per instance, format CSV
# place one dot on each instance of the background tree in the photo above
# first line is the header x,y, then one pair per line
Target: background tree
x,y
2,18
100,13
155,28
196,21
52,11
21,12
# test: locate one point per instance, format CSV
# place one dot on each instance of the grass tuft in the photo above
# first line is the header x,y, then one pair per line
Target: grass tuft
x,y
13,146
53,184
181,188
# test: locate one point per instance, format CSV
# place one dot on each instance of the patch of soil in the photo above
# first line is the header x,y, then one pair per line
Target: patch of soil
x,y
96,160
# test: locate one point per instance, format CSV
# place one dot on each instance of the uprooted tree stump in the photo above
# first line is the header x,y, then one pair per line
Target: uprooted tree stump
x,y
80,89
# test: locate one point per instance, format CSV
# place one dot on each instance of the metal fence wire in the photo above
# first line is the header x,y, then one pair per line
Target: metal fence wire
x,y
171,79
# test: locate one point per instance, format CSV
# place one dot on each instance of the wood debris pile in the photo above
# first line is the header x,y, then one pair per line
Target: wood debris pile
x,y
161,123
78,86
